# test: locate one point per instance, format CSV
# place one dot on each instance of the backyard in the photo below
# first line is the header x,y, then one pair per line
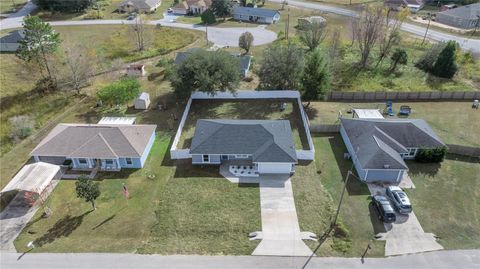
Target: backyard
x,y
261,109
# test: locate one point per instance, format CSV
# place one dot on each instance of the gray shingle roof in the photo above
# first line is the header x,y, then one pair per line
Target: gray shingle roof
x,y
250,11
95,141
141,4
265,140
9,42
465,12
379,142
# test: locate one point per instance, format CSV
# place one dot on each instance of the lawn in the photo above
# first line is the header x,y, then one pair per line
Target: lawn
x,y
244,109
445,200
454,122
7,6
182,209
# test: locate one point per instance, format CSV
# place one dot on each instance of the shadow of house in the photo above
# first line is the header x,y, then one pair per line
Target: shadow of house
x,y
62,228
428,169
185,169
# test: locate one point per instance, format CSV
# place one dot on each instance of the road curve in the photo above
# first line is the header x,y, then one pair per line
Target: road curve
x,y
466,43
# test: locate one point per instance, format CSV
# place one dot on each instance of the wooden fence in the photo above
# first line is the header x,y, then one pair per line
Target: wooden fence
x,y
464,150
402,96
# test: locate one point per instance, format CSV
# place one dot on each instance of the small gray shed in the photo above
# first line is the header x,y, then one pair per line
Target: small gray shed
x,y
143,101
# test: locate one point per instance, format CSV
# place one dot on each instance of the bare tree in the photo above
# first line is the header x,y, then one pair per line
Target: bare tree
x,y
366,30
313,34
81,63
141,32
391,33
334,49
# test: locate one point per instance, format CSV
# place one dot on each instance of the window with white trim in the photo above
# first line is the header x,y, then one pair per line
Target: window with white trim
x,y
82,161
128,161
206,158
411,152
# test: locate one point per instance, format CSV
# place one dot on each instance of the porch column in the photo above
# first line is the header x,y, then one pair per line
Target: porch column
x,y
366,174
36,158
117,161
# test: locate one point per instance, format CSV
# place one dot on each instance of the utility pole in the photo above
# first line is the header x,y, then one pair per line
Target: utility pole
x,y
287,24
206,32
428,26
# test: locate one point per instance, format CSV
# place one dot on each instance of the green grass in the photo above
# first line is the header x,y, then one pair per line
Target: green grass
x,y
454,122
244,109
184,209
7,6
445,200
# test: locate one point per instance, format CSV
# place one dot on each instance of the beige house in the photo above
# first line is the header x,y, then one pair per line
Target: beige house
x,y
141,6
192,7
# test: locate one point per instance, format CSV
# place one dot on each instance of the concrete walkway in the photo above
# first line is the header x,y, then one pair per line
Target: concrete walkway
x,y
406,235
280,234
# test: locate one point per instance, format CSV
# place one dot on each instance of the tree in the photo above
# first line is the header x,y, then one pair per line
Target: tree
x,y
313,34
221,8
205,71
38,45
208,17
446,66
391,33
65,6
316,76
428,58
245,41
366,30
141,33
398,57
281,68
80,65
87,189
119,92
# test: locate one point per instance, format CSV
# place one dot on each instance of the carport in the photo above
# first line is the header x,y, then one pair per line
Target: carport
x,y
34,178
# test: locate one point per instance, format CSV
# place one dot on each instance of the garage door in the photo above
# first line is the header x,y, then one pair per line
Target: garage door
x,y
52,160
274,168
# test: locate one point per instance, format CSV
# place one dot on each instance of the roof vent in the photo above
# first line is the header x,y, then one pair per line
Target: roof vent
x,y
386,166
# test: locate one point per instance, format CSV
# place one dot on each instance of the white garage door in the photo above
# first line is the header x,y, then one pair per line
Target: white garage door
x,y
274,168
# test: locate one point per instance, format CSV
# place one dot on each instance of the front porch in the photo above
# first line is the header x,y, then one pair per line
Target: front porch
x,y
237,171
88,164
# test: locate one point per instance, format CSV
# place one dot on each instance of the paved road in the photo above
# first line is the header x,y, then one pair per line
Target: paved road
x,y
464,259
469,44
16,19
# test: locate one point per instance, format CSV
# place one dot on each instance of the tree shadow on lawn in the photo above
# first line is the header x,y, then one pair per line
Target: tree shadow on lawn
x,y
429,169
62,228
104,221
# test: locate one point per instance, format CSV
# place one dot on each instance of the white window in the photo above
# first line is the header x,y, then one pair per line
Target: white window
x,y
82,161
411,152
129,161
241,156
109,162
206,158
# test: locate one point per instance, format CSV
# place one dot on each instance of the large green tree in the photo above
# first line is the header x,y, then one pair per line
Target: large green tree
x,y
446,66
119,92
281,68
208,17
206,71
429,57
87,189
38,46
221,8
245,41
65,5
316,78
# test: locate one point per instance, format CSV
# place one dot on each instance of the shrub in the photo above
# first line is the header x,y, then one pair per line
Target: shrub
x,y
431,155
427,60
94,15
21,127
446,66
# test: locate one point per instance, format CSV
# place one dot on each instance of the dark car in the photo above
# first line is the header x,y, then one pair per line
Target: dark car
x,y
384,209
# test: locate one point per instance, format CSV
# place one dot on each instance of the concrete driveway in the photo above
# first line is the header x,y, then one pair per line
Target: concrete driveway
x,y
406,235
280,233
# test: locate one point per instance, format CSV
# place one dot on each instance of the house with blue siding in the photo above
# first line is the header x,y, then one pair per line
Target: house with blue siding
x,y
97,146
378,147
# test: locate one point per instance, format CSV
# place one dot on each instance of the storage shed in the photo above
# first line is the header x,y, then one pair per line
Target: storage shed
x,y
143,101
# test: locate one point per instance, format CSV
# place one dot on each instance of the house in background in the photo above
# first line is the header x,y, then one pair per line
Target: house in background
x,y
245,60
413,5
9,42
140,6
265,144
192,7
378,147
101,146
258,15
466,17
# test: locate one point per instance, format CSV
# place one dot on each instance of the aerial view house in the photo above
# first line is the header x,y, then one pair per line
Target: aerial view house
x,y
259,15
142,6
378,147
245,60
413,5
193,7
266,144
9,42
102,146
466,17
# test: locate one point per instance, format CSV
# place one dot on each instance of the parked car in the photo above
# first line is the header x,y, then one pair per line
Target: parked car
x,y
132,16
399,199
170,10
384,209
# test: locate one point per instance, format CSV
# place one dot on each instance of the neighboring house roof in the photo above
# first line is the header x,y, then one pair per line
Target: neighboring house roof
x,y
245,60
466,12
405,2
141,4
378,143
259,12
188,3
95,141
265,140
9,42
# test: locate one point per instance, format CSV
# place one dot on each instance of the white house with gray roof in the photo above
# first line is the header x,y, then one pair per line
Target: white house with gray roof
x,y
258,15
267,144
378,147
467,17
102,146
